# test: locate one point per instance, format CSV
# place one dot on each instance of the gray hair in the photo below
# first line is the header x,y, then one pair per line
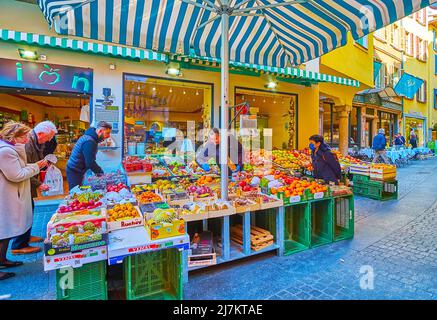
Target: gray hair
x,y
45,127
381,130
103,124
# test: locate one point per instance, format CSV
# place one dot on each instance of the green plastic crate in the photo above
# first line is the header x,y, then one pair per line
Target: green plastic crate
x,y
358,178
343,223
321,222
88,282
154,275
297,234
377,190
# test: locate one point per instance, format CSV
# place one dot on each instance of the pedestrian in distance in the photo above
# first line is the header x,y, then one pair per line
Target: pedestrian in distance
x,y
399,141
16,213
379,145
413,139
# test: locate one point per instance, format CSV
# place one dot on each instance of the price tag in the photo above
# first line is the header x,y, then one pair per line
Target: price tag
x,y
319,195
77,263
294,199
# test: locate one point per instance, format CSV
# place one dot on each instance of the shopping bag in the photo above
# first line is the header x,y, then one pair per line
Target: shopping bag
x,y
54,181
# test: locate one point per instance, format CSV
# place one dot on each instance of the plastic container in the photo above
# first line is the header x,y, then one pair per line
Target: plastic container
x,y
343,226
154,275
88,282
141,148
377,190
131,148
297,236
321,222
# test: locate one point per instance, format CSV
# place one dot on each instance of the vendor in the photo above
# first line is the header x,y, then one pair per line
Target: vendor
x,y
211,149
325,163
83,156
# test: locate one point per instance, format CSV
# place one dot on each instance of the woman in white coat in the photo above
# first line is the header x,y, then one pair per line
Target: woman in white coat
x,y
15,197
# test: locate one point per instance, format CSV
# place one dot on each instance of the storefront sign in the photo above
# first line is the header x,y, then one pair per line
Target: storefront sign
x,y
374,99
44,76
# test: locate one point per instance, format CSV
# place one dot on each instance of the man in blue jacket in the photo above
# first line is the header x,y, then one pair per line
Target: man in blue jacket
x,y
325,163
83,156
379,143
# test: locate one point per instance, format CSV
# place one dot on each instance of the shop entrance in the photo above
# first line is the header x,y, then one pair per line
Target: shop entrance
x,y
68,111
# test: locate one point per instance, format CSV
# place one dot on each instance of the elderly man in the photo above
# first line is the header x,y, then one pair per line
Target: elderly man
x,y
42,133
379,144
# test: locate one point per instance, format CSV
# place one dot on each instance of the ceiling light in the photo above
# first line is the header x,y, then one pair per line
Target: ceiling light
x,y
274,101
27,54
264,100
271,85
253,99
171,71
184,92
170,90
197,92
154,89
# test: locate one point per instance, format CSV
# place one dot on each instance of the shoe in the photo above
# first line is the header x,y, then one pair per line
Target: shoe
x,y
34,239
10,264
7,275
27,250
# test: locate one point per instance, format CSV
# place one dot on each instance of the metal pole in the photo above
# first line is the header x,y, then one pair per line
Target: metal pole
x,y
224,103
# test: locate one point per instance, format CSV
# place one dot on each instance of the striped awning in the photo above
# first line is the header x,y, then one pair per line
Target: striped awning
x,y
277,33
80,45
281,72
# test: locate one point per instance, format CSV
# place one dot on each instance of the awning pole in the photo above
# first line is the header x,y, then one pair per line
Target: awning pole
x,y
224,102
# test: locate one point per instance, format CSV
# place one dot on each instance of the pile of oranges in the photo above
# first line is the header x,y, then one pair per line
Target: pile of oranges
x,y
122,212
148,197
298,187
204,180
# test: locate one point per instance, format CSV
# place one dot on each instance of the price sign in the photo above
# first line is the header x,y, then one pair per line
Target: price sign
x,y
295,199
319,195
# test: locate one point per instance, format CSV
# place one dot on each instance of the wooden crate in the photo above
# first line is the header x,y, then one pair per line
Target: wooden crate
x,y
259,238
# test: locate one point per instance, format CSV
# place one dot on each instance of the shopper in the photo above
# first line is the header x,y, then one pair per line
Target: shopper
x,y
211,149
413,139
378,145
399,141
16,210
50,146
325,163
83,156
42,133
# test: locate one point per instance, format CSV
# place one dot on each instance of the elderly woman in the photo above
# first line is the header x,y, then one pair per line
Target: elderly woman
x,y
15,198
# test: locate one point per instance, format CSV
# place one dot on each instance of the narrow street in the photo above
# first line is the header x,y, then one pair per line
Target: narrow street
x,y
397,239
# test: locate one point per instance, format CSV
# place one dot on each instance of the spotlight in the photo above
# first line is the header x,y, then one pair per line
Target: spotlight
x,y
271,85
27,54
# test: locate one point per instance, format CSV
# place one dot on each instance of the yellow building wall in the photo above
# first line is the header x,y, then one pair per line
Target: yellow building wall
x,y
352,60
432,80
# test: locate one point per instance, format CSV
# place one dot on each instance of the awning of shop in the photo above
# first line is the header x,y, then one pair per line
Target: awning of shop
x,y
281,72
264,32
383,93
408,85
80,45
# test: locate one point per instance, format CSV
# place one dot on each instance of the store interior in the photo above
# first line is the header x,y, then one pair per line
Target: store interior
x,y
157,111
276,111
64,110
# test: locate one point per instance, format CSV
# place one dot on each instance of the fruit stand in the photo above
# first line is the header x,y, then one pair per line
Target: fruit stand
x,y
170,221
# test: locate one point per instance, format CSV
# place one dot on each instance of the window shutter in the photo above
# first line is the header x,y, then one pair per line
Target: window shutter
x,y
402,36
392,34
425,51
417,46
384,75
425,91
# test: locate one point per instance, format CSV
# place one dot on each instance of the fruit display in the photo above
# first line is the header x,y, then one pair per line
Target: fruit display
x,y
122,212
292,159
78,205
72,229
201,192
148,197
116,187
179,171
207,180
160,171
133,163
164,223
297,188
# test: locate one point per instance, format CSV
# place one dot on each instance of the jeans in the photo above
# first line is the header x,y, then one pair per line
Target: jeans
x,y
22,241
381,153
74,178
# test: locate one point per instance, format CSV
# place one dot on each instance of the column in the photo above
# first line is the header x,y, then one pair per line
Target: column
x,y
343,116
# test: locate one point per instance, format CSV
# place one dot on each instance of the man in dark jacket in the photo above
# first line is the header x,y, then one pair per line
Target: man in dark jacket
x,y
43,132
379,143
325,163
83,156
211,149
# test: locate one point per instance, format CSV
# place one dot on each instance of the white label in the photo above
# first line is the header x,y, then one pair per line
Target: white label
x,y
77,263
319,195
294,199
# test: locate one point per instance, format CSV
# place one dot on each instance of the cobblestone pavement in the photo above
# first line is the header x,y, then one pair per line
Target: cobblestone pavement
x,y
396,241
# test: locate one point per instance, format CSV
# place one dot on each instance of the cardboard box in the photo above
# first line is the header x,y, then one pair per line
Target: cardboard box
x,y
202,253
269,205
75,260
166,230
126,223
51,250
212,213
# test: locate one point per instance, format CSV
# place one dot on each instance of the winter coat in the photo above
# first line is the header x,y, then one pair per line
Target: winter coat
x,y
34,153
379,142
325,164
16,212
83,156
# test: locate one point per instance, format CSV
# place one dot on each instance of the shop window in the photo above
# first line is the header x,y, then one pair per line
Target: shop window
x,y
276,111
165,116
421,93
387,122
363,41
354,138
